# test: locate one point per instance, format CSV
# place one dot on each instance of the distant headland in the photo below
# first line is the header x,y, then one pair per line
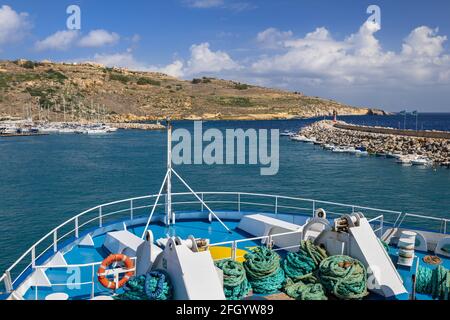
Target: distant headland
x,y
88,92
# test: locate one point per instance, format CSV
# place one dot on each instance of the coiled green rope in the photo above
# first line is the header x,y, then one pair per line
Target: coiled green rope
x,y
152,286
344,277
300,265
310,289
235,283
435,282
264,273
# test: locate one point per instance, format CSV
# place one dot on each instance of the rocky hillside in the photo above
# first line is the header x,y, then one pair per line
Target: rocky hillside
x,y
89,91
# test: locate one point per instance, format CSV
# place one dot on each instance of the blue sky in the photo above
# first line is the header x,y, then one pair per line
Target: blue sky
x,y
321,48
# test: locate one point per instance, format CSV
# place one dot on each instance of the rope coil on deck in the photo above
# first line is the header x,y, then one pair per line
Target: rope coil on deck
x,y
154,285
309,290
434,282
301,283
344,277
301,264
264,273
235,283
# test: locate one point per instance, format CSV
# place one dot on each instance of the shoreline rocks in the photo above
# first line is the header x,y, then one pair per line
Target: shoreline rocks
x,y
437,150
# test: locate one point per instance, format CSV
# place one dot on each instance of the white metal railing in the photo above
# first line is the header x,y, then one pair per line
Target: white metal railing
x,y
99,214
380,229
115,272
443,221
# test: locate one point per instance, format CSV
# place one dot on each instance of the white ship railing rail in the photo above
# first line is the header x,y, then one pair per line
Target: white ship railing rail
x,y
443,222
292,206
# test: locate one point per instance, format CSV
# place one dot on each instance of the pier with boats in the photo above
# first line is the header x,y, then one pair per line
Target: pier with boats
x,y
406,146
32,128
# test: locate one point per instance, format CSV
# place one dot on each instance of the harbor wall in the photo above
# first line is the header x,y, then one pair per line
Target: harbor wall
x,y
409,133
435,145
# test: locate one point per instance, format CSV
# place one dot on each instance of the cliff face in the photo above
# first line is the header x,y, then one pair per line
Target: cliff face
x,y
89,91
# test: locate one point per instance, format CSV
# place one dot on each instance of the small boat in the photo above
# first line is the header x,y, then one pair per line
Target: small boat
x,y
338,150
420,161
303,139
287,133
391,155
96,131
328,146
404,160
361,153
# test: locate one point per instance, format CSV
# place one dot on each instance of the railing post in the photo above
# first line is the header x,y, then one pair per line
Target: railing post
x,y
233,251
55,239
76,228
276,206
93,281
8,282
381,226
33,257
131,209
100,217
239,202
202,197
269,242
314,208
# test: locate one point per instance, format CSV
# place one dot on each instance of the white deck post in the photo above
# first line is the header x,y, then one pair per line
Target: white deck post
x,y
131,210
76,228
239,202
8,282
233,251
93,282
276,206
33,257
100,217
55,239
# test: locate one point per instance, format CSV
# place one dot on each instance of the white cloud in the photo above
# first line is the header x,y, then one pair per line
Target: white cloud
x,y
13,25
424,41
99,38
60,40
65,39
203,60
273,38
359,59
123,60
355,69
175,69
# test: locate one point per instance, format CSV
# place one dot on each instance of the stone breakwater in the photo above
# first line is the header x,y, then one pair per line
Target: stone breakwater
x,y
436,149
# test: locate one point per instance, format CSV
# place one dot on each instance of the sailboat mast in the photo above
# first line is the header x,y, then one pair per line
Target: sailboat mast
x,y
170,218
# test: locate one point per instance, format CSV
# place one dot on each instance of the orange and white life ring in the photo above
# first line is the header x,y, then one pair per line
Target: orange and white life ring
x,y
101,273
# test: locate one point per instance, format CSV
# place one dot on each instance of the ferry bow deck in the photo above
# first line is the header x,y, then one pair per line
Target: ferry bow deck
x,y
69,255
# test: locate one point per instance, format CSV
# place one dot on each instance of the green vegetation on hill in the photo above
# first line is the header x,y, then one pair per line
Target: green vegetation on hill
x,y
125,94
